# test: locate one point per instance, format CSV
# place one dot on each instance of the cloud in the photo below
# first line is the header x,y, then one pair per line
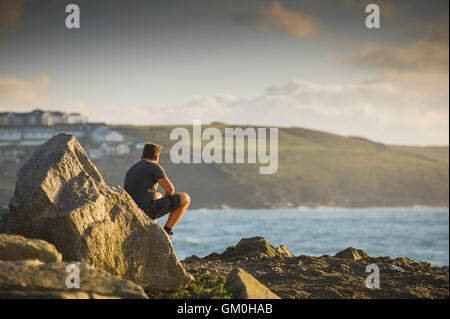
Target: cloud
x,y
438,32
275,18
389,110
11,12
388,9
421,55
18,94
385,110
398,108
411,82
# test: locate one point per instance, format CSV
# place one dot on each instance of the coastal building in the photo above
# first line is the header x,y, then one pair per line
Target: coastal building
x,y
38,132
10,153
95,153
12,119
24,131
115,149
10,133
104,134
107,149
75,118
39,117
77,130
122,149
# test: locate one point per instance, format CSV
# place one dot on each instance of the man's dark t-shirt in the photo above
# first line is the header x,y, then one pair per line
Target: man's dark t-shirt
x,y
141,182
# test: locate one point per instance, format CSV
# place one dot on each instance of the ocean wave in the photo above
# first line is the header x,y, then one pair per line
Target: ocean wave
x,y
191,241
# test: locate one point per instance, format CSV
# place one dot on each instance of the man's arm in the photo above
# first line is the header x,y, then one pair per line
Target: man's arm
x,y
167,185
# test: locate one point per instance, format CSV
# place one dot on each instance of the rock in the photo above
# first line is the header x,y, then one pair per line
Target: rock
x,y
392,268
212,256
191,259
61,197
256,247
245,286
5,220
34,279
328,277
14,247
351,253
443,270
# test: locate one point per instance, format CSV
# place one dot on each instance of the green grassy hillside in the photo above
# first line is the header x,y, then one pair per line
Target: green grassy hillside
x,y
315,168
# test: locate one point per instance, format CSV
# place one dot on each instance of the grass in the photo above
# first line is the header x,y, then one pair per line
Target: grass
x,y
206,286
315,168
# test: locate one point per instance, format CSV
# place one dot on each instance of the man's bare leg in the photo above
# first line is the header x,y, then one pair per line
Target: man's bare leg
x,y
175,216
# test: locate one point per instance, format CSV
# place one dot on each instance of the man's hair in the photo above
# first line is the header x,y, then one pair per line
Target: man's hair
x,y
151,150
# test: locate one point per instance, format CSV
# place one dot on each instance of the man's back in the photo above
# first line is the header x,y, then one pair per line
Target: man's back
x,y
141,181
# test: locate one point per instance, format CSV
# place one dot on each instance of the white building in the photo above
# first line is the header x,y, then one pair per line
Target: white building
x,y
104,134
139,146
115,149
10,133
77,130
122,149
57,118
12,119
95,153
46,119
38,133
75,118
10,154
39,117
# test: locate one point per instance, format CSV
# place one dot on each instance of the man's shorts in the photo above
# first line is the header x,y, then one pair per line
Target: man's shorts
x,y
160,207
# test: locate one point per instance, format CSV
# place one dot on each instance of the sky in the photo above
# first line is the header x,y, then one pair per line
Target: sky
x,y
311,64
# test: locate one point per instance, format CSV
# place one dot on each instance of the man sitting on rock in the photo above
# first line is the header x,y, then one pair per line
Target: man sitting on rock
x,y
141,182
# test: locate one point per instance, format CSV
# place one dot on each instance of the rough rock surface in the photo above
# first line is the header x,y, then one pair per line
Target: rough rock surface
x,y
246,286
330,277
5,220
351,253
61,197
34,279
254,247
15,247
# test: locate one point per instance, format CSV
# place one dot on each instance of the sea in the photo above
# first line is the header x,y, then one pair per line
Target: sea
x,y
419,232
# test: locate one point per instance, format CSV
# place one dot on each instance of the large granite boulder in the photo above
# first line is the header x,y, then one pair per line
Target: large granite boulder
x,y
15,247
61,197
34,279
6,222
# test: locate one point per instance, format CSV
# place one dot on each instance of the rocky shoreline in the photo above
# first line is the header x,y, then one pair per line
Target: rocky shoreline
x,y
340,276
64,217
253,269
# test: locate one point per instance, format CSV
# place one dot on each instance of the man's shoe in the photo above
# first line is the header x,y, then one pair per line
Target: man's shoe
x,y
168,231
